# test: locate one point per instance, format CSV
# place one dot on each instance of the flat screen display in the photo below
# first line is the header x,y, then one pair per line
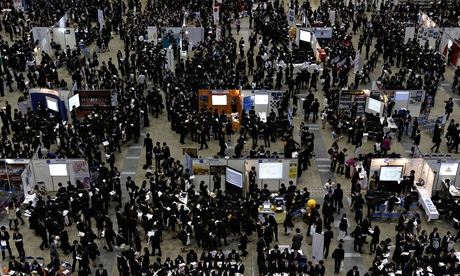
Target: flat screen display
x,y
58,169
448,169
261,99
52,104
74,101
374,106
271,170
391,173
401,96
219,99
234,177
305,36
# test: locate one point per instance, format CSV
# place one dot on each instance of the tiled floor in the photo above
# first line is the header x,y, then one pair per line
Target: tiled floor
x,y
130,162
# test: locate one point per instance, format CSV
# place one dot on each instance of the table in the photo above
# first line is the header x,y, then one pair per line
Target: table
x,y
453,191
427,204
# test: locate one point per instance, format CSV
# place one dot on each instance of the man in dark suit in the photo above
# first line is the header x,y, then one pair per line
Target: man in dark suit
x,y
101,271
148,144
76,248
17,237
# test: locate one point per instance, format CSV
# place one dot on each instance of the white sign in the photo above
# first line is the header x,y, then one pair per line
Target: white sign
x,y
215,14
356,62
100,18
291,17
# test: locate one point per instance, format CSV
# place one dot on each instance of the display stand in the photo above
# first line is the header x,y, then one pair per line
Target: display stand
x,y
227,101
92,99
203,169
347,97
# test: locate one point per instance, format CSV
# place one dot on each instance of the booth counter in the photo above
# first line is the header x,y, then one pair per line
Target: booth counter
x,y
426,203
235,172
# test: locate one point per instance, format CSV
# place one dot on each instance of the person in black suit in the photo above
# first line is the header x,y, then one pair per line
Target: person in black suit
x,y
148,144
5,241
338,255
101,271
17,237
76,248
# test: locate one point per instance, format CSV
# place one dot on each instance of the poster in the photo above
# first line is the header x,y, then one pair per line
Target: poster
x,y
317,247
81,172
292,171
215,14
291,17
200,168
356,62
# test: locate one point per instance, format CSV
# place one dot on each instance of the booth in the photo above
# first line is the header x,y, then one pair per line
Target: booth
x,y
62,36
193,35
86,101
430,175
347,97
47,173
11,171
410,100
227,101
263,101
449,46
235,172
53,100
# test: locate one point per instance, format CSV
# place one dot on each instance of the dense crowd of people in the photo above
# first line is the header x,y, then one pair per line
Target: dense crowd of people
x,y
169,200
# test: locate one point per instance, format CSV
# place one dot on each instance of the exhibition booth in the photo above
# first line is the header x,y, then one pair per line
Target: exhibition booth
x,y
11,184
227,101
263,101
193,35
449,46
234,172
86,101
347,97
309,49
47,173
62,35
56,101
431,175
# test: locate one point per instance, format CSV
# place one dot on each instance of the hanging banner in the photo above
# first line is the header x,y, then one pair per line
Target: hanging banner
x,y
317,247
356,62
291,17
215,14
100,18
81,172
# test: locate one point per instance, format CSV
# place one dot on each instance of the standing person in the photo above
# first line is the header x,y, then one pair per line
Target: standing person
x,y
338,197
203,137
157,152
17,237
297,240
238,26
449,107
338,255
101,271
328,235
375,240
76,248
436,137
288,224
243,244
12,217
217,178
252,179
274,225
148,144
4,241
353,272
341,161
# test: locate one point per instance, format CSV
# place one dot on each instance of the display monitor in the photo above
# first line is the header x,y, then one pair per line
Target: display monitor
x,y
271,170
261,99
391,173
305,36
448,169
234,177
219,99
401,96
374,106
58,169
74,101
52,103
